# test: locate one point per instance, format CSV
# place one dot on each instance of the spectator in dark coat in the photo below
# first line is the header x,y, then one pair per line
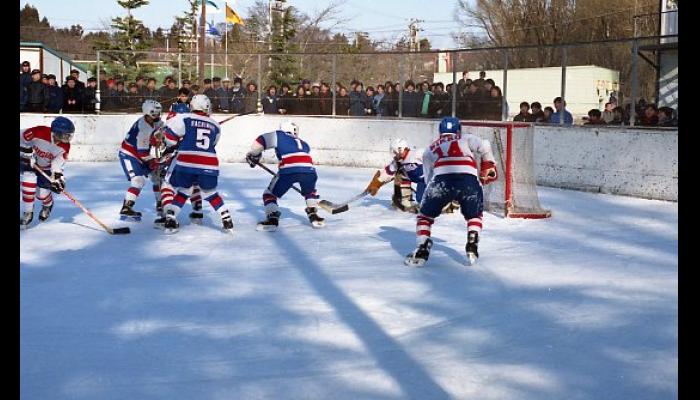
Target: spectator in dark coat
x,y
315,100
210,92
358,100
283,99
650,116
133,99
299,104
390,100
547,115
89,96
121,97
440,103
37,93
151,93
342,102
411,102
25,78
537,113
72,98
473,103
222,93
595,117
141,86
251,98
80,85
55,96
667,117
269,102
378,103
325,100
236,104
168,94
524,114
369,100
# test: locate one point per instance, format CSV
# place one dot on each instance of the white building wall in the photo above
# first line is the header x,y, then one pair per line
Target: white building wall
x,y
31,55
634,162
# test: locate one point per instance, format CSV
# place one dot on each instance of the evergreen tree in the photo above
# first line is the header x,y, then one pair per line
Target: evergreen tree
x,y
283,67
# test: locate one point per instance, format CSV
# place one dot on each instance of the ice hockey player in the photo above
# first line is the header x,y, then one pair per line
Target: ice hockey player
x,y
406,167
450,169
295,166
196,135
136,158
196,216
47,148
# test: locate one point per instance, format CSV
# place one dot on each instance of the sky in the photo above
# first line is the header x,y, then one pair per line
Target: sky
x,y
383,20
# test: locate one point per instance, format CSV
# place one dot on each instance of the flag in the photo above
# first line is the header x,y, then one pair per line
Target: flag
x,y
210,3
232,16
212,31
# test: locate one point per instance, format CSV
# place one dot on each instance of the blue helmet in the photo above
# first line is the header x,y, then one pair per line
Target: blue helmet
x,y
180,108
63,129
450,125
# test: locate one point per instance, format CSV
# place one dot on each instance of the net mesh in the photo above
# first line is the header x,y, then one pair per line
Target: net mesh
x,y
525,201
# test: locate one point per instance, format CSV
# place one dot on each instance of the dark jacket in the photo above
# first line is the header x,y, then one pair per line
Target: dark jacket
x,y
391,104
89,100
251,102
314,104
222,96
299,105
72,100
411,104
55,99
236,104
440,105
37,93
524,118
269,104
358,103
151,94
378,105
342,105
24,80
325,103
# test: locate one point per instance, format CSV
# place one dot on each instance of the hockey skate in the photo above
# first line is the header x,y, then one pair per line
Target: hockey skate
x,y
171,225
127,212
227,222
26,219
159,223
472,248
316,221
45,212
270,223
420,255
197,216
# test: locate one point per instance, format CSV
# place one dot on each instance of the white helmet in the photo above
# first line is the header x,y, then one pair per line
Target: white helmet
x,y
200,102
151,108
289,126
398,146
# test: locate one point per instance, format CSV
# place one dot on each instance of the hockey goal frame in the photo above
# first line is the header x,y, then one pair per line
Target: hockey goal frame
x,y
509,207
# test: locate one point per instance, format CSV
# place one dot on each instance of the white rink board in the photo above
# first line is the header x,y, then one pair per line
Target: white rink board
x,y
627,161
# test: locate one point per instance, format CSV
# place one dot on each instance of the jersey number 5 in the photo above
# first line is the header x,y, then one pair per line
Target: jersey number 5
x,y
203,138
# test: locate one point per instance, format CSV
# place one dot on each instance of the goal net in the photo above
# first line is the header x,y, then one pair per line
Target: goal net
x,y
514,193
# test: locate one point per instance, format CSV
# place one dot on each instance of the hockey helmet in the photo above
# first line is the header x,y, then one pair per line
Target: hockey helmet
x,y
289,126
62,128
398,146
151,108
450,125
200,102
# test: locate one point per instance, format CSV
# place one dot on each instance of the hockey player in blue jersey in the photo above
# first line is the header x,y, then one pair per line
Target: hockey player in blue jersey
x,y
295,166
450,168
196,163
136,159
406,167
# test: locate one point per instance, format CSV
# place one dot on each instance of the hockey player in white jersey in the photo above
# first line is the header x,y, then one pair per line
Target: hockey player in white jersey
x,y
450,168
47,148
196,163
406,167
136,159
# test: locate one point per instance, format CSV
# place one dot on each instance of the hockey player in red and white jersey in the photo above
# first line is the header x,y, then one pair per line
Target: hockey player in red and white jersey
x,y
47,148
450,168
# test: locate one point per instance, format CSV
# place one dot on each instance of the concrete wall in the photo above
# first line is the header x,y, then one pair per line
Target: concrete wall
x,y
635,162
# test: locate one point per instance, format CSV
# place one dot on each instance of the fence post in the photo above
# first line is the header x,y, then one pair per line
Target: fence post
x,y
333,88
97,91
211,67
634,83
179,69
260,85
400,87
504,99
454,83
563,85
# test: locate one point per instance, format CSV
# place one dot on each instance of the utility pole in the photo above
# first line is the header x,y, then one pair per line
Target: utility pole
x,y
413,29
202,42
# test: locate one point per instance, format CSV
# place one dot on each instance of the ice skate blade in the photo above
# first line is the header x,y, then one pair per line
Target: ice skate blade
x,y
129,219
197,221
228,231
158,226
318,225
170,231
414,262
471,259
266,228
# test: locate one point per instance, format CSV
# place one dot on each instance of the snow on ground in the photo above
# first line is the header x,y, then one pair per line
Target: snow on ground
x,y
580,306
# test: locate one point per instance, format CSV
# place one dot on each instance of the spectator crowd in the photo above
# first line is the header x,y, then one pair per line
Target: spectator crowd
x,y
478,99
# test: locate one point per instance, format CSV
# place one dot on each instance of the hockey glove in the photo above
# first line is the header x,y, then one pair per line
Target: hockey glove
x,y
253,159
58,183
153,164
26,156
488,172
375,184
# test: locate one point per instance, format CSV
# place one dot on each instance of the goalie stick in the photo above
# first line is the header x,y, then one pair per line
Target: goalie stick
x,y
111,231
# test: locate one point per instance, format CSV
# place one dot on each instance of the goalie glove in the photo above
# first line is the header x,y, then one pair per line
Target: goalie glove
x,y
375,184
58,182
253,159
488,173
26,156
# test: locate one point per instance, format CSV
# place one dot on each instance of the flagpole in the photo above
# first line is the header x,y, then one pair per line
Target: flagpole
x,y
226,48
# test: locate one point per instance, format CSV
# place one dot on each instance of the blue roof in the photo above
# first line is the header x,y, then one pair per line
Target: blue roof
x,y
54,52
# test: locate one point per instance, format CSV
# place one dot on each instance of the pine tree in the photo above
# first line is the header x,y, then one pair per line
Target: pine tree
x,y
283,67
131,36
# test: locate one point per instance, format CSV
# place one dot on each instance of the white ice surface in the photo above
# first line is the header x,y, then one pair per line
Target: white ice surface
x,y
580,306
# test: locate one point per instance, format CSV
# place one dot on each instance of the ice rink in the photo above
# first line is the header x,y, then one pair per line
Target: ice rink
x,y
580,306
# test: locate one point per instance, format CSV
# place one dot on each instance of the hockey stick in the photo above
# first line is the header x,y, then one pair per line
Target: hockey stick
x,y
342,207
111,231
237,115
323,203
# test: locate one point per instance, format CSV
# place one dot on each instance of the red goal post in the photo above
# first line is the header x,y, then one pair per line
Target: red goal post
x,y
514,193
